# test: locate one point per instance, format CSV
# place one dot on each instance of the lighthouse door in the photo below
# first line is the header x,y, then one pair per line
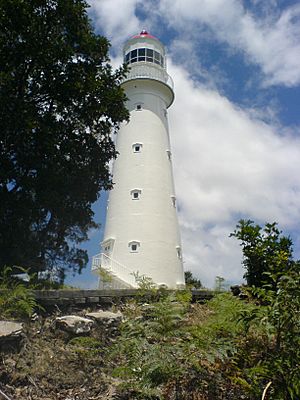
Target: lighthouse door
x,y
107,247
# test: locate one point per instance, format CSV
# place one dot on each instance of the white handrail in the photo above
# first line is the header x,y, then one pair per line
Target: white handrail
x,y
114,268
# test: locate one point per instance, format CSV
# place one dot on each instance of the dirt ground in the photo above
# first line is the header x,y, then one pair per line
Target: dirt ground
x,y
51,364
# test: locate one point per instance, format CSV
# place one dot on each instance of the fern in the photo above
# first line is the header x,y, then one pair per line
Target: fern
x,y
150,350
217,334
16,300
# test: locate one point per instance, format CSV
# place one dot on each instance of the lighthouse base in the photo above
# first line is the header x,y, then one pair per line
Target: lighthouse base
x,y
114,275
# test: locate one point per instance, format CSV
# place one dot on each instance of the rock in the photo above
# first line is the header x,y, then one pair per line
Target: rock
x,y
74,324
11,333
106,317
10,329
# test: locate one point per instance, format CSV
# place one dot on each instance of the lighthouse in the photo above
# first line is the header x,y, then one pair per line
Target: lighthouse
x,y
141,237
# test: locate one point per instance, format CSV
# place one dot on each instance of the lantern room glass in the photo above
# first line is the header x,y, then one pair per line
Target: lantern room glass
x,y
144,54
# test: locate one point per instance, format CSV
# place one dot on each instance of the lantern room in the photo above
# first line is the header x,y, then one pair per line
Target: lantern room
x,y
144,48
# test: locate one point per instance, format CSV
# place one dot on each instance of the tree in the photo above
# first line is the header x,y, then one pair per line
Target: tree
x,y
265,251
272,360
59,103
190,280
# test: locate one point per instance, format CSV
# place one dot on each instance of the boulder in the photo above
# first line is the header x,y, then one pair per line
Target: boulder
x,y
74,324
106,318
11,333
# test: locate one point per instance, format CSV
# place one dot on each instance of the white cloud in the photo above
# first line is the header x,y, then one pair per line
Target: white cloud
x,y
228,165
272,42
116,18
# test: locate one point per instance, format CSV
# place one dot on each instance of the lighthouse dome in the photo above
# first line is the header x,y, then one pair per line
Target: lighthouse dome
x,y
144,33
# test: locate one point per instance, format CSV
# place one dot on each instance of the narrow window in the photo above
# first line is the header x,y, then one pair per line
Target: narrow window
x,y
149,55
173,198
141,54
178,250
157,58
169,154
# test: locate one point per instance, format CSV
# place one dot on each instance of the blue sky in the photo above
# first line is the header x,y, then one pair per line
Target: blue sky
x,y
235,124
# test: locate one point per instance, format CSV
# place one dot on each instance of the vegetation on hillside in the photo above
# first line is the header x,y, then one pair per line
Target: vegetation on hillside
x,y
167,348
229,348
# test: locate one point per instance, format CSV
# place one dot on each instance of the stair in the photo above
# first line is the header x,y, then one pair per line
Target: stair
x,y
112,274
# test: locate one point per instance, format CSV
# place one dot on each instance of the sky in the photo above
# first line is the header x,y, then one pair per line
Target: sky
x,y
235,122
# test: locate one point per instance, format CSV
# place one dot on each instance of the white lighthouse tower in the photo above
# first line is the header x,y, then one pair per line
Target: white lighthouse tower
x,y
141,232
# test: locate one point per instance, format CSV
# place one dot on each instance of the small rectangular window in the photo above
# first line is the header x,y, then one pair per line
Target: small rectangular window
x,y
142,59
137,147
135,194
134,54
134,246
138,106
